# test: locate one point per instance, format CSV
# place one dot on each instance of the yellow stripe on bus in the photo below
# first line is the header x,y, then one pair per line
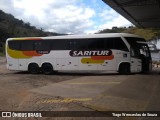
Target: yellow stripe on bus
x,y
16,54
91,61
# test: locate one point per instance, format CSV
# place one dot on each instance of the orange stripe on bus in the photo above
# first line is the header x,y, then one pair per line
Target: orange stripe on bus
x,y
31,53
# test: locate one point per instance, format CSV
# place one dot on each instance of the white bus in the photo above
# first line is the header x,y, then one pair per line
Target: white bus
x,y
117,52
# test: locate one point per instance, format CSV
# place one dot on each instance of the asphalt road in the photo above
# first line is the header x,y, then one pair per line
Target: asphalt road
x,y
21,91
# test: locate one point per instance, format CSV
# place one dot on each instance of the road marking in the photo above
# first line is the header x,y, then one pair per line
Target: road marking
x,y
65,100
102,83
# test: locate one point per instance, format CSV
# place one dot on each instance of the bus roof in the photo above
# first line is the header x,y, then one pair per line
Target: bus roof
x,y
81,36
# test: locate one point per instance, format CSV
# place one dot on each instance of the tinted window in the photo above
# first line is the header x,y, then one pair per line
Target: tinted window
x,y
92,44
101,44
14,45
115,43
82,44
60,44
120,45
104,43
89,44
27,45
42,45
72,45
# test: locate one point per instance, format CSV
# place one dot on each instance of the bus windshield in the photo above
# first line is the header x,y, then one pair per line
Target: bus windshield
x,y
139,47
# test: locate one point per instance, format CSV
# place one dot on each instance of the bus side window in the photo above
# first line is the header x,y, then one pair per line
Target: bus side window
x,y
46,45
14,45
82,44
120,45
72,44
55,44
27,45
42,45
60,44
109,43
101,44
92,44
38,45
97,44
115,43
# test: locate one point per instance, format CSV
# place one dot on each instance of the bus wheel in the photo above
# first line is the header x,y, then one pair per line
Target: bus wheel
x,y
47,69
124,68
33,68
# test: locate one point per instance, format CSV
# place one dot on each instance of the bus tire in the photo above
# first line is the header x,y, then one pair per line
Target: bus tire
x,y
124,69
47,68
33,68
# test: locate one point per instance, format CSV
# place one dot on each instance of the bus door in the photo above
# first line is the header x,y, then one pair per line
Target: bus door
x,y
136,62
145,57
136,65
140,51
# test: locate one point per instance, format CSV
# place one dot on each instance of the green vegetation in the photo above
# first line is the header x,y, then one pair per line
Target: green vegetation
x,y
147,33
12,27
2,50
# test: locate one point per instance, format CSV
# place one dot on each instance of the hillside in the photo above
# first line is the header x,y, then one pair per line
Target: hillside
x,y
147,33
12,27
